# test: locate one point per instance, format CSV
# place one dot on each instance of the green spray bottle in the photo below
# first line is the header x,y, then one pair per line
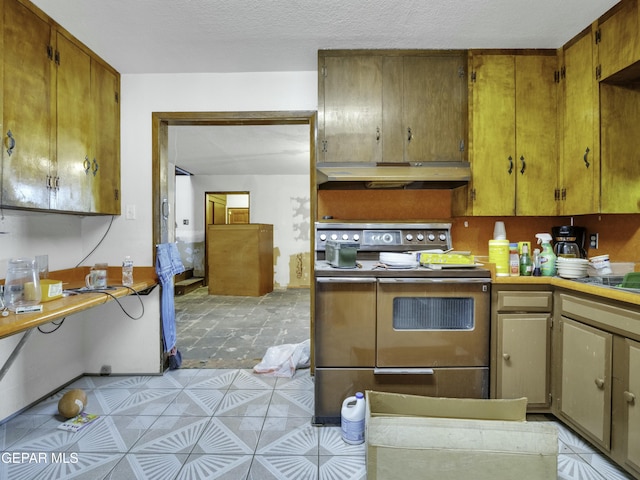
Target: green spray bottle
x,y
547,257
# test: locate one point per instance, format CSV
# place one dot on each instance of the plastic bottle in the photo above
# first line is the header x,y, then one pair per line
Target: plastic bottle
x,y
127,271
514,260
547,257
536,263
526,266
352,419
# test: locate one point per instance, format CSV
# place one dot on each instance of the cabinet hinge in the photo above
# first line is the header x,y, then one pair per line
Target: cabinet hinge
x,y
598,36
461,145
563,72
49,52
556,194
324,146
57,57
556,76
461,72
116,194
598,72
473,77
563,195
324,71
117,97
473,194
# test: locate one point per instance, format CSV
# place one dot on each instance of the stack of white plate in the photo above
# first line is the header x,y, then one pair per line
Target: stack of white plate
x,y
398,260
569,267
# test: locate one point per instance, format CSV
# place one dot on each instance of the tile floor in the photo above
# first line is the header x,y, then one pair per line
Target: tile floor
x,y
214,423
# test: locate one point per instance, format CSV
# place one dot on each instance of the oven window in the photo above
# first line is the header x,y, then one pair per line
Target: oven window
x,y
433,313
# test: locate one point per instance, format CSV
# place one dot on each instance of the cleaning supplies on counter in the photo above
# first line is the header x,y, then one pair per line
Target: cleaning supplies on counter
x,y
514,260
536,263
547,257
127,271
526,265
499,250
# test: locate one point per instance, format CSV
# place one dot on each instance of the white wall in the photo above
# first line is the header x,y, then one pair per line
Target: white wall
x,y
67,239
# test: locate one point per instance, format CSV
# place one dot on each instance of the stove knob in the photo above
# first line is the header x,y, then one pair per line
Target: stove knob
x,y
443,237
420,237
431,237
334,236
409,237
356,237
323,237
345,236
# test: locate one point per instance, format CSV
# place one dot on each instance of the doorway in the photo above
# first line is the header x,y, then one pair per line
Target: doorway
x,y
227,208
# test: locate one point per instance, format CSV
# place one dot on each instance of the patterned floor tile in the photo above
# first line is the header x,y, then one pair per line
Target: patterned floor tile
x,y
247,380
218,467
116,381
291,403
151,401
173,379
171,435
230,436
219,379
574,442
197,402
282,467
86,466
606,468
288,436
145,466
331,443
241,403
21,468
572,467
104,401
48,438
18,427
301,380
343,468
113,434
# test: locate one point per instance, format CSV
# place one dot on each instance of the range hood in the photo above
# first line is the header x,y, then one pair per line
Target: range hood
x,y
424,175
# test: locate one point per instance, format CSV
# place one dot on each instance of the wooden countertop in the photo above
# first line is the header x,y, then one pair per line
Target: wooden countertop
x,y
144,278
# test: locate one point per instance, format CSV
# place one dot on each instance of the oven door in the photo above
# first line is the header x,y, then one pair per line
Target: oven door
x,y
432,322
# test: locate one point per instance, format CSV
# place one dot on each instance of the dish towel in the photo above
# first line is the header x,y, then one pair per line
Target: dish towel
x,y
168,264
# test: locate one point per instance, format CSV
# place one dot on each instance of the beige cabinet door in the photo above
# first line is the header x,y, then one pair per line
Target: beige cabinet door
x,y
27,105
350,108
632,398
618,38
105,162
585,396
74,123
493,134
523,343
580,179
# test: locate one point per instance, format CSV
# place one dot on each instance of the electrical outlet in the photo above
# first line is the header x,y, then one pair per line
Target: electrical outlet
x,y
105,370
593,241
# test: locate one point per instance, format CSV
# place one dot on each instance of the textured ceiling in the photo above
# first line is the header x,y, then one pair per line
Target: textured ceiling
x,y
189,36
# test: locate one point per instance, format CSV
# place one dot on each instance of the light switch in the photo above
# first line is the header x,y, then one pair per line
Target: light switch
x,y
130,212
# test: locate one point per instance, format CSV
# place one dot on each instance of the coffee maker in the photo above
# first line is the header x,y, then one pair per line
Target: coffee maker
x,y
569,241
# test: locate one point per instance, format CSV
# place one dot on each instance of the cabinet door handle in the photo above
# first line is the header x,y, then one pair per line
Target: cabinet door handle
x,y
599,383
409,134
377,134
524,165
95,167
629,397
12,143
506,357
510,164
86,164
586,154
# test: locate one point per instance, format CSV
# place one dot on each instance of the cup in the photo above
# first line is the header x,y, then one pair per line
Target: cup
x,y
499,231
97,277
602,264
42,264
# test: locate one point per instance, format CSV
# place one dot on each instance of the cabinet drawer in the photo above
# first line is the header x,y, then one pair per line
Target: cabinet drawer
x,y
522,300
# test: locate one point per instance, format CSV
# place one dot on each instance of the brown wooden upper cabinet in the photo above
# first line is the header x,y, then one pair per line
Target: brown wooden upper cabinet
x,y
391,106
514,149
617,39
61,117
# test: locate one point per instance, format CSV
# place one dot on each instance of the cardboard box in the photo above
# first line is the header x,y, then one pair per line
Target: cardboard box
x,y
456,438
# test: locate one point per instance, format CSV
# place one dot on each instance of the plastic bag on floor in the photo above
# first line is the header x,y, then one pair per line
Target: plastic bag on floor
x,y
283,360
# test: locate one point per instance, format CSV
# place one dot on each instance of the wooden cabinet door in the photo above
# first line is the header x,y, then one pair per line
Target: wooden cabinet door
x,y
585,396
618,38
536,134
523,357
580,179
27,107
434,106
620,168
105,162
632,399
73,161
350,108
493,135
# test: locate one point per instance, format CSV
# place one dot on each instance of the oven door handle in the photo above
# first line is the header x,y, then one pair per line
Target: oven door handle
x,y
403,371
345,279
434,280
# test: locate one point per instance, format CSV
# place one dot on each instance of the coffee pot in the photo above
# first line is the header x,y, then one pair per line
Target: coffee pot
x,y
22,284
568,241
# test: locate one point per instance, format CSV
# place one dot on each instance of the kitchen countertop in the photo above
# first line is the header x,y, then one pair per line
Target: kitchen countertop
x,y
144,278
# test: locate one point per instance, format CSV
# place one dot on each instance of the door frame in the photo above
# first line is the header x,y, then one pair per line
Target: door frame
x,y
161,121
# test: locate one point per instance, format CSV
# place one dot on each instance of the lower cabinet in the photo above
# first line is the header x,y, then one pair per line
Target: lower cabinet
x,y
521,344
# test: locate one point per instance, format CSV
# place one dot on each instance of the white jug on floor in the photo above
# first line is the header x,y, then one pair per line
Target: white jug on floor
x,y
352,419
